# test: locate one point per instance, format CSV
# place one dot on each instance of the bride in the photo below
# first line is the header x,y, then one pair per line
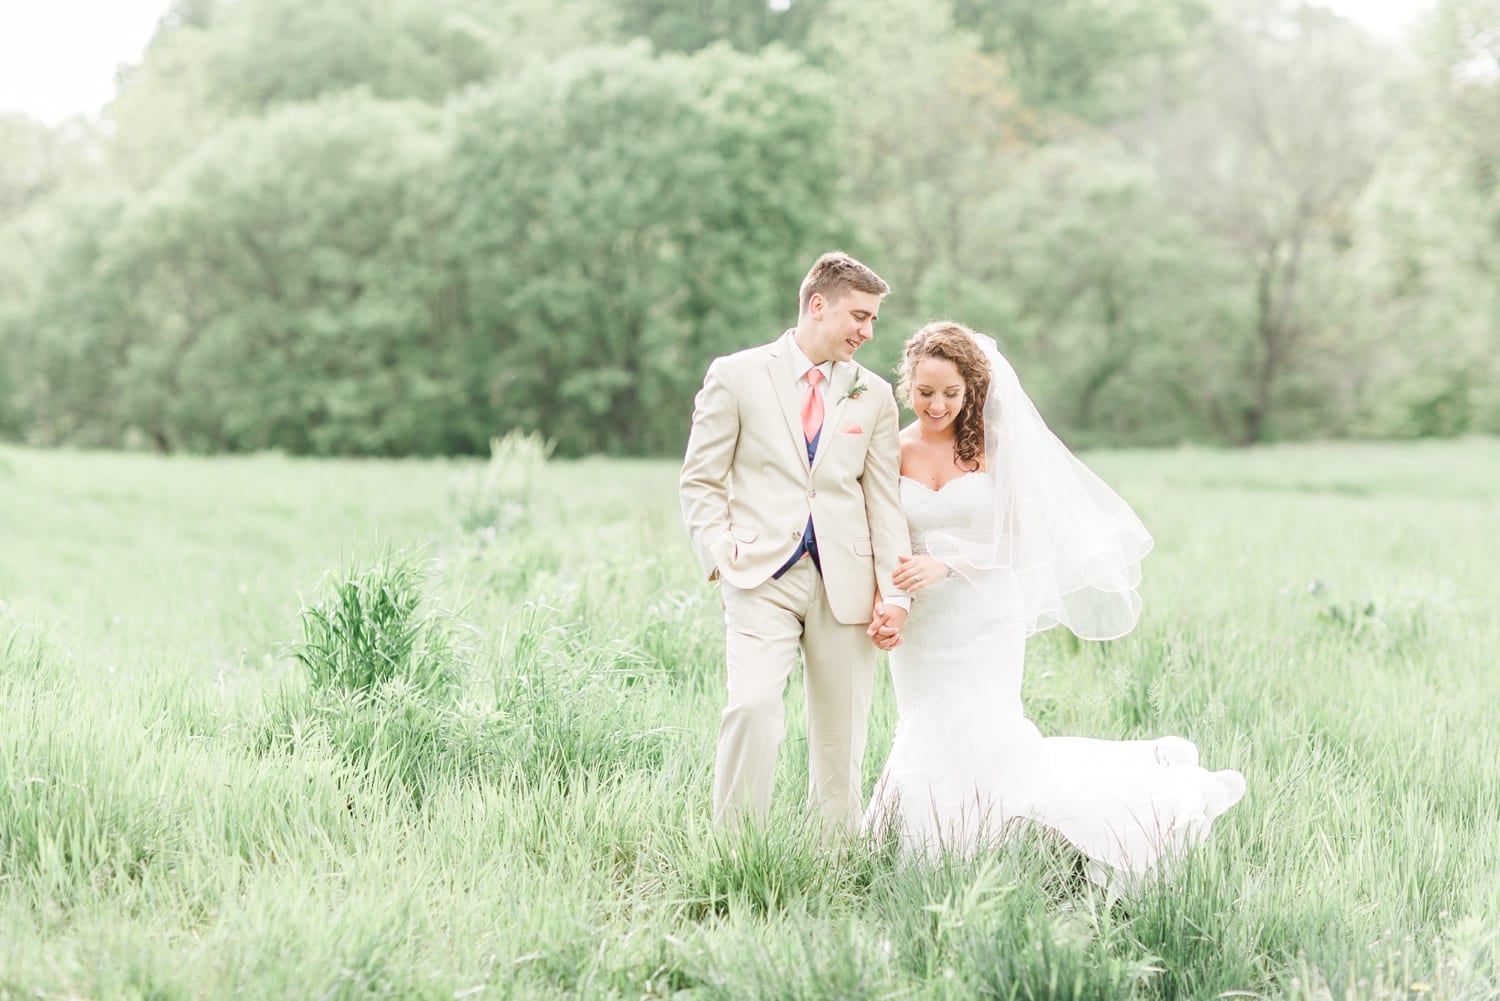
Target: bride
x,y
1013,535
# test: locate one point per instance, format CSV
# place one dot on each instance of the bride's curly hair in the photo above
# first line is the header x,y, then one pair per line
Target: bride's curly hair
x,y
956,343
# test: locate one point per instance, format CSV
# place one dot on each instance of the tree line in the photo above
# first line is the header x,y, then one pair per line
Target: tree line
x,y
386,227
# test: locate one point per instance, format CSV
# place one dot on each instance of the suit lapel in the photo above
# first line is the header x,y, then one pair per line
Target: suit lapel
x,y
833,398
784,382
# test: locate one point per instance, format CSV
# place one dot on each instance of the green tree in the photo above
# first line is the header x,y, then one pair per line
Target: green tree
x,y
1462,47
1409,346
271,52
561,252
163,109
384,226
1083,58
70,334
35,162
212,60
40,167
930,143
619,219
1424,334
1269,155
1112,298
1466,43
748,25
278,289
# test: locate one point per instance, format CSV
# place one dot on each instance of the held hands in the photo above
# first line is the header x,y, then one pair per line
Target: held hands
x,y
885,625
917,572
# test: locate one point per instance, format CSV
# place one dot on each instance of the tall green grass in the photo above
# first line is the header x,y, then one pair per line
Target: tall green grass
x,y
277,728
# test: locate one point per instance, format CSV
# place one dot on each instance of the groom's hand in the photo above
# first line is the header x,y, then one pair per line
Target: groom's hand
x,y
885,625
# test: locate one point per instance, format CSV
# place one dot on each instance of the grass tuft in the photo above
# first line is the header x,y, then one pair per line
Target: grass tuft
x,y
375,626
497,499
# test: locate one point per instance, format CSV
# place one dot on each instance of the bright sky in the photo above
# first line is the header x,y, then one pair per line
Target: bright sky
x,y
1387,18
58,57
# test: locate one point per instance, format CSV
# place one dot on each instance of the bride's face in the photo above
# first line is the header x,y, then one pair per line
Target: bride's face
x,y
937,393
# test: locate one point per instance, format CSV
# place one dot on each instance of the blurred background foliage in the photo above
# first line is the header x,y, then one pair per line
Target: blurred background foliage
x,y
386,227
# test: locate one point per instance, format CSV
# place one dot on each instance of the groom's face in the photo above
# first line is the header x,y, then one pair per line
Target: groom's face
x,y
843,322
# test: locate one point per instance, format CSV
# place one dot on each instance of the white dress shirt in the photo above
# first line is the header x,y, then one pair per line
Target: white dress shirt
x,y
801,363
804,364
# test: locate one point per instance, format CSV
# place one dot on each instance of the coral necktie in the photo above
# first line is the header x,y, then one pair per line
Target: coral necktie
x,y
812,406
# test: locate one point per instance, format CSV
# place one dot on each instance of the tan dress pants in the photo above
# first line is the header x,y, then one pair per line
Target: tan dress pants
x,y
765,626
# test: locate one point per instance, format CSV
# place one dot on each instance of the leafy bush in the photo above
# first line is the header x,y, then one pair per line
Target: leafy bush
x,y
497,498
373,627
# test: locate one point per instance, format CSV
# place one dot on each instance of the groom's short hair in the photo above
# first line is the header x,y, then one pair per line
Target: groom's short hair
x,y
834,272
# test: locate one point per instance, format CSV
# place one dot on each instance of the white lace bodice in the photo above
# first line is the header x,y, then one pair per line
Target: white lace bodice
x,y
953,638
949,508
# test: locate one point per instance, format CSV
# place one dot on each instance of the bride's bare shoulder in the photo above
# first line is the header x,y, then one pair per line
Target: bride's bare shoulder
x,y
910,444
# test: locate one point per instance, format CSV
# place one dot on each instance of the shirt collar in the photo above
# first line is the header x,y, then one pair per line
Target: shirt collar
x,y
801,363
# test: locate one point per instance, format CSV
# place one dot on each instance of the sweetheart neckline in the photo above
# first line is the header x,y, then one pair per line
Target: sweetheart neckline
x,y
937,490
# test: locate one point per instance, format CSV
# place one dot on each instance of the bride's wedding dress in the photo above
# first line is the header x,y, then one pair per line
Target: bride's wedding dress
x,y
967,764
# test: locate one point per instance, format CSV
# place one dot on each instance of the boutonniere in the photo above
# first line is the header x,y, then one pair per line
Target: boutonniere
x,y
856,388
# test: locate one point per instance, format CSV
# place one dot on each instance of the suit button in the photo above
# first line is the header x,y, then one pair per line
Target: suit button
x,y
796,535
812,493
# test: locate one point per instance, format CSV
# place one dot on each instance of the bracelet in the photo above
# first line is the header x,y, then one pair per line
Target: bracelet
x,y
921,550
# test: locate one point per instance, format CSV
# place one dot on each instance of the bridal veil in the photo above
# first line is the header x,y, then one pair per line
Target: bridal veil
x,y
1071,546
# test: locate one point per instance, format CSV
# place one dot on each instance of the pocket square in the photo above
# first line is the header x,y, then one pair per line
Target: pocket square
x,y
854,429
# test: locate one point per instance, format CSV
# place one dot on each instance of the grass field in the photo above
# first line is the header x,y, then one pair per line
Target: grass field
x,y
201,796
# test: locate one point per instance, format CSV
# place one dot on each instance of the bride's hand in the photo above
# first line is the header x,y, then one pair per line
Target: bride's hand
x,y
885,625
917,572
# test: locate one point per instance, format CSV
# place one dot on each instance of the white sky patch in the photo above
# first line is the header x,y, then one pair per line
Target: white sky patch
x,y
1390,19
58,58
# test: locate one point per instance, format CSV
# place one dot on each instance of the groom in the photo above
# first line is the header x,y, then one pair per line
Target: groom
x,y
789,493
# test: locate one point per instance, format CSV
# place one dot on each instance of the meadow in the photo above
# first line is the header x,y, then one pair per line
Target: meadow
x,y
283,728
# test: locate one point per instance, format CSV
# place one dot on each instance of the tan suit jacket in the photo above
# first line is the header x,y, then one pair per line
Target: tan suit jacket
x,y
747,487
